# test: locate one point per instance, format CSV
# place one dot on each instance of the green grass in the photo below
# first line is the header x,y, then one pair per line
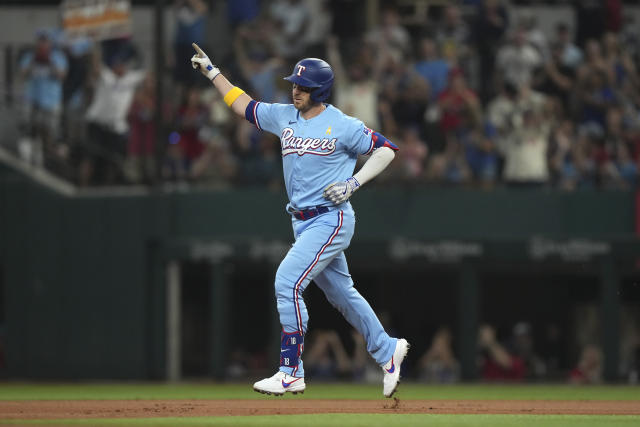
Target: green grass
x,y
107,391
362,420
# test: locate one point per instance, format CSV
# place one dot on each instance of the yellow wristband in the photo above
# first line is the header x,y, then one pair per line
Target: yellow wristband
x,y
232,95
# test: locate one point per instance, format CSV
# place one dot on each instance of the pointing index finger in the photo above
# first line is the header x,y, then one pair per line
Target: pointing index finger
x,y
197,48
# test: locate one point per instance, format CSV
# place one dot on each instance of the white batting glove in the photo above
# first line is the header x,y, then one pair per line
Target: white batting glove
x,y
202,61
340,192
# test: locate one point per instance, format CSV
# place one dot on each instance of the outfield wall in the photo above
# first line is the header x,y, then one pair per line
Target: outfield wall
x,y
83,276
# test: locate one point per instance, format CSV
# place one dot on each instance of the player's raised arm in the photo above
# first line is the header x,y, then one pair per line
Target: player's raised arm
x,y
234,97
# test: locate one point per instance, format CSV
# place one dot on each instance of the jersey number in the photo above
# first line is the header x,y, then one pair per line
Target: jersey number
x,y
301,68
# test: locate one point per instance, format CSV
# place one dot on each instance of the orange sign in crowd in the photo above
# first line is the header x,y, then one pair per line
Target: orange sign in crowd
x,y
101,19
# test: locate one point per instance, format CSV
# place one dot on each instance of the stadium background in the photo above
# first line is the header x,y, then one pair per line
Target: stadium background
x,y
172,278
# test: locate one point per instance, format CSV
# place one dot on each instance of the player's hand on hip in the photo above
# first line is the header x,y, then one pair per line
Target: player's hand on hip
x,y
340,192
201,60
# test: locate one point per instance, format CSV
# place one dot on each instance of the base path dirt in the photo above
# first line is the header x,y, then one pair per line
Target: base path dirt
x,y
50,409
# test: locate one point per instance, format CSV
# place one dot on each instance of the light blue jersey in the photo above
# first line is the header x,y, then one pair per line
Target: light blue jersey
x,y
43,88
315,152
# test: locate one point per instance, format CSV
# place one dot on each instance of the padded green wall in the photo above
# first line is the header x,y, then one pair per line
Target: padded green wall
x,y
78,299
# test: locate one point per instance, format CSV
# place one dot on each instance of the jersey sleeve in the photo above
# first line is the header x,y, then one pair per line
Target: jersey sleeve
x,y
359,139
266,116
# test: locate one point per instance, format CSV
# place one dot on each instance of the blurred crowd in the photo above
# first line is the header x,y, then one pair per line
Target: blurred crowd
x,y
472,94
503,355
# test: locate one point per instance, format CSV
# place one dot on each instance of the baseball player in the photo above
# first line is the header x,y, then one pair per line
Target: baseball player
x,y
320,146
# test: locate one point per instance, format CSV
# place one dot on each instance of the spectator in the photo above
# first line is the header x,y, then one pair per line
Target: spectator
x,y
413,155
589,367
496,363
459,106
613,20
518,116
387,119
120,49
629,344
263,166
390,36
141,151
75,88
587,155
453,132
564,158
326,357
595,95
356,87
238,363
406,93
490,26
432,67
216,167
292,18
526,152
533,34
107,126
452,35
518,59
553,351
621,69
186,144
449,166
570,54
253,55
43,69
364,368
522,346
348,21
620,169
481,154
459,112
240,12
438,364
556,79
190,28
329,359
630,37
319,27
594,59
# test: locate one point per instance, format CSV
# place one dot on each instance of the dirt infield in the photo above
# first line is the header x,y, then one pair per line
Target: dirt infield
x,y
52,409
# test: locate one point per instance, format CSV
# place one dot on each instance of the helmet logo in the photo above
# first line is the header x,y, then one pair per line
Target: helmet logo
x,y
301,68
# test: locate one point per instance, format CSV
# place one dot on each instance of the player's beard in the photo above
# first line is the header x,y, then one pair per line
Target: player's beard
x,y
305,105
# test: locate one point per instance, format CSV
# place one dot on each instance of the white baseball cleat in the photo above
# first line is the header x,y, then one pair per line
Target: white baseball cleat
x,y
391,369
280,384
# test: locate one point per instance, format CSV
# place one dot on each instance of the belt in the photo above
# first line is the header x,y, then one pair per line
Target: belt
x,y
309,213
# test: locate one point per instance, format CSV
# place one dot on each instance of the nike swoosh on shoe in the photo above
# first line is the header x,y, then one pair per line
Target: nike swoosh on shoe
x,y
285,385
392,368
